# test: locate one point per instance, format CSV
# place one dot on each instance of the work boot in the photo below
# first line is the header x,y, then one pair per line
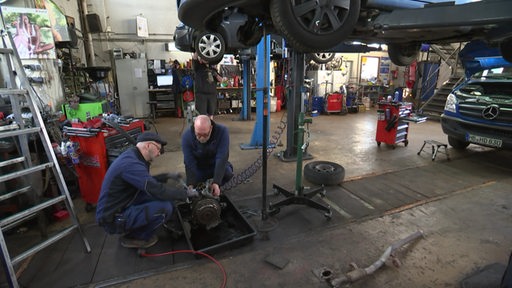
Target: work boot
x,y
138,243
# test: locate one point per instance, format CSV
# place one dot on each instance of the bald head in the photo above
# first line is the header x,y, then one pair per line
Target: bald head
x,y
202,122
202,128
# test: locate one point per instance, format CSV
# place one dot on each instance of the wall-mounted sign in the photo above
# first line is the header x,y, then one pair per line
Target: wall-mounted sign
x,y
142,27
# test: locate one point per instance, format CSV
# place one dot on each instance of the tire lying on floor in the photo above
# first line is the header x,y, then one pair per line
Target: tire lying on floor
x,y
324,173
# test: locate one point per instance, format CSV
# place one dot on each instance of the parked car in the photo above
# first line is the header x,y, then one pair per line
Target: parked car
x,y
312,25
211,46
479,110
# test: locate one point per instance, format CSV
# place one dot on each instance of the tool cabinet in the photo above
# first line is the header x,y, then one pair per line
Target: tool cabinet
x,y
392,127
97,149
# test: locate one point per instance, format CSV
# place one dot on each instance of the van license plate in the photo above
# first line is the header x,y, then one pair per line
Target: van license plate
x,y
485,141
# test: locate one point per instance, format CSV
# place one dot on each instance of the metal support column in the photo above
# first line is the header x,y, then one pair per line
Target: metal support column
x,y
294,106
245,113
262,92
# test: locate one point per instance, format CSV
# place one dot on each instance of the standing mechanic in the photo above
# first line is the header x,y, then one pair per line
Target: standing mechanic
x,y
205,87
205,148
131,201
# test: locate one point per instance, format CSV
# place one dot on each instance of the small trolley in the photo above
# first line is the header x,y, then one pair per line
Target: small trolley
x,y
391,126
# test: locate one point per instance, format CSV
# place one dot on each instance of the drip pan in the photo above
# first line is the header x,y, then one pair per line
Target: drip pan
x,y
233,231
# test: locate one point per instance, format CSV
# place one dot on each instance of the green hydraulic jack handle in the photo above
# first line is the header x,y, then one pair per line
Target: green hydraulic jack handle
x,y
301,147
299,196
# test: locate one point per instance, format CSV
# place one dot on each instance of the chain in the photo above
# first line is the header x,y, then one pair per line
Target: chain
x,y
247,173
307,135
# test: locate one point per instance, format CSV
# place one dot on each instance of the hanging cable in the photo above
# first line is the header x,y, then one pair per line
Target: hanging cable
x,y
224,275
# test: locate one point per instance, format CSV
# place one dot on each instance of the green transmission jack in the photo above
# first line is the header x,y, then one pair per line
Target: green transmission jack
x,y
300,196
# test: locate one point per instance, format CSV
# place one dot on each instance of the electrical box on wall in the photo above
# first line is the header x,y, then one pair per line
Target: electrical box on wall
x,y
94,23
117,53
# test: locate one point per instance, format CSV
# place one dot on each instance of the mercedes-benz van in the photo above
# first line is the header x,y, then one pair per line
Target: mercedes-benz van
x,y
479,111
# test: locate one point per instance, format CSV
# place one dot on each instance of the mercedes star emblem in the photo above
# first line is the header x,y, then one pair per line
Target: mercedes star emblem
x,y
491,112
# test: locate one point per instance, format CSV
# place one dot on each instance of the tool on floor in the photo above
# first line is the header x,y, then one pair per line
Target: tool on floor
x,y
278,261
359,273
22,169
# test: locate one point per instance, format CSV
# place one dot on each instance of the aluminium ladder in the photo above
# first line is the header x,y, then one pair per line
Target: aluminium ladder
x,y
22,95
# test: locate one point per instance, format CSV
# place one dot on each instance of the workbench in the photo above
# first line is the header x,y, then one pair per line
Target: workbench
x,y
162,100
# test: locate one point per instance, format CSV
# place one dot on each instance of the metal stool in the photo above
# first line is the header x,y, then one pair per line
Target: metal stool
x,y
435,148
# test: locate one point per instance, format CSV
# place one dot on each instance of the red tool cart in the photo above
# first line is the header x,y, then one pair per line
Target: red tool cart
x,y
334,103
392,124
95,148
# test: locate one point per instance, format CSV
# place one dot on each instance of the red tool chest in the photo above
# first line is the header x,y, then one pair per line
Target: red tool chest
x,y
97,148
391,127
334,103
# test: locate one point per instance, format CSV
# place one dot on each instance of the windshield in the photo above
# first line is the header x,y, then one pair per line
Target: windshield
x,y
494,73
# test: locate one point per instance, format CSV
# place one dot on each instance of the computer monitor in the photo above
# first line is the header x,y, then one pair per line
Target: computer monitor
x,y
163,80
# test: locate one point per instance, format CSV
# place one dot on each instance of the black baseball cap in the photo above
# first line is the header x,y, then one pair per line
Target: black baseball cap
x,y
150,136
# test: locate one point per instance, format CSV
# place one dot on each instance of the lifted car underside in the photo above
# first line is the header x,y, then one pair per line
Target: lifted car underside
x,y
310,26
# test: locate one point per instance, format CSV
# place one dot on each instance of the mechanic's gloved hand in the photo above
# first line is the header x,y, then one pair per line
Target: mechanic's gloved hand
x,y
191,192
163,177
174,176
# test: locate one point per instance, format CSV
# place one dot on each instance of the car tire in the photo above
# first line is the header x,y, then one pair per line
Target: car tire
x,y
210,47
457,144
250,34
324,173
506,49
403,54
297,31
321,58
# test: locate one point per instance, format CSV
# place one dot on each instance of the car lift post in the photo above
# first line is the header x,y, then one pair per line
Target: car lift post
x,y
245,59
245,112
262,94
295,104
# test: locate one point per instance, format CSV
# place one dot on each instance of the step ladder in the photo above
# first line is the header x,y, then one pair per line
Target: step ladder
x,y
21,168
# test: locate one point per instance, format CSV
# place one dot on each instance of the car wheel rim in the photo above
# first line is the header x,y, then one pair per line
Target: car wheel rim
x,y
210,45
321,16
323,56
324,168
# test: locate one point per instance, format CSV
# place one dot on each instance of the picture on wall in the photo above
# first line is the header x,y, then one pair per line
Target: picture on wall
x,y
384,70
31,31
61,24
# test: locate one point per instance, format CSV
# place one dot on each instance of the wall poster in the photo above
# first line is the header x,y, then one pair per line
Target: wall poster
x,y
31,31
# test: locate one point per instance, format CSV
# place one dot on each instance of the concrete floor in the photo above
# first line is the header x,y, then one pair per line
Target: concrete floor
x,y
464,230
463,207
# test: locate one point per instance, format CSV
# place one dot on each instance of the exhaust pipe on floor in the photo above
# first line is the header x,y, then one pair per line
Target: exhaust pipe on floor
x,y
359,273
